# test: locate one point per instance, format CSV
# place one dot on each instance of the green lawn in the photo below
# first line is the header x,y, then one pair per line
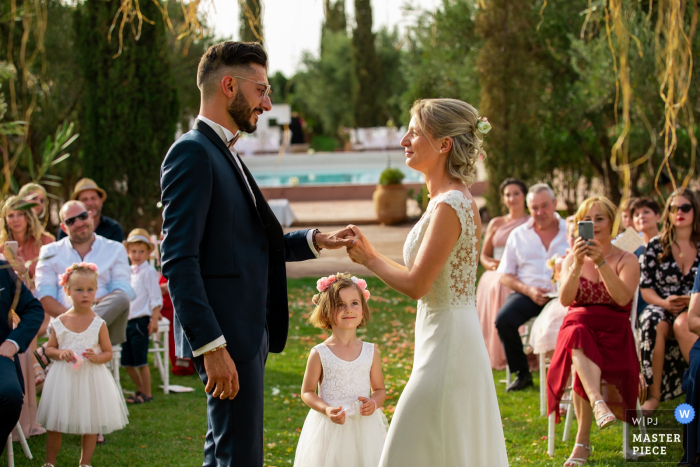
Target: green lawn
x,y
170,430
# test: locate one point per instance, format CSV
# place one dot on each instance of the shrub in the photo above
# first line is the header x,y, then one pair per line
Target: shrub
x,y
391,176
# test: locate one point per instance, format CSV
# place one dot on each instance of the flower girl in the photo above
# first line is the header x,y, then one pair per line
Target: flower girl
x,y
344,427
80,395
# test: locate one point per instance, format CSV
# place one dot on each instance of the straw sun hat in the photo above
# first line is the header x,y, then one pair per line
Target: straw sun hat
x,y
139,236
87,184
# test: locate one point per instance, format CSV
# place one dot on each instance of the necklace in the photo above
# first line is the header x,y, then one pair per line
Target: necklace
x,y
430,195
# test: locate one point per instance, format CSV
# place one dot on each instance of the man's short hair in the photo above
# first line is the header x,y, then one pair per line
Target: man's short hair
x,y
645,202
66,206
539,188
218,61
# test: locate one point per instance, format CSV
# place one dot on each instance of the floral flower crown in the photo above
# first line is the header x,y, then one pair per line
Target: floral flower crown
x,y
483,126
63,278
323,283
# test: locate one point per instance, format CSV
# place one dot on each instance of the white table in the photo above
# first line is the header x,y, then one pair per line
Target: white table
x,y
160,347
283,211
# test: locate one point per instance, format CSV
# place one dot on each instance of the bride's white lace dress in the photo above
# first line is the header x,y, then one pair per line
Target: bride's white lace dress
x,y
448,413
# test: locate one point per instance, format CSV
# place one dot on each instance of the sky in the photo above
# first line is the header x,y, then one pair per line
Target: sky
x,y
293,26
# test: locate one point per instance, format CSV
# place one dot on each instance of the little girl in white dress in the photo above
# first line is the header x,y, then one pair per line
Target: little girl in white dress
x,y
345,427
80,395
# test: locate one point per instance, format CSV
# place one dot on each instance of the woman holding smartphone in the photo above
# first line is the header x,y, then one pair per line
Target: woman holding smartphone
x,y
669,266
21,237
598,285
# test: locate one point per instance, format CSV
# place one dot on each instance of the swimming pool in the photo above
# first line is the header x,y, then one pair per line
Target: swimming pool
x,y
357,168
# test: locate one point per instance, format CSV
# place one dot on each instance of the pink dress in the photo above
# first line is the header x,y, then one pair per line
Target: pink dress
x,y
491,294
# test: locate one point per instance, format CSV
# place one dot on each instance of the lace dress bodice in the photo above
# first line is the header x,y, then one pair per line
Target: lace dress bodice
x,y
343,382
455,286
79,342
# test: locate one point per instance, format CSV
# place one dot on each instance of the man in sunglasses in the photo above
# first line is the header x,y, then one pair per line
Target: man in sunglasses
x,y
92,196
114,291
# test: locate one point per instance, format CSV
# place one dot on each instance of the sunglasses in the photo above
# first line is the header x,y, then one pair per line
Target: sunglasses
x,y
83,216
686,208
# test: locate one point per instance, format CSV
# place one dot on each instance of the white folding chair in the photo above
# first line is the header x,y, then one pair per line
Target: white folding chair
x,y
160,350
22,441
115,363
569,402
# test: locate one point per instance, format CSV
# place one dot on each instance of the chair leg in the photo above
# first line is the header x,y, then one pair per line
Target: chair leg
x,y
10,454
507,375
23,441
550,435
625,439
567,423
166,362
543,386
640,415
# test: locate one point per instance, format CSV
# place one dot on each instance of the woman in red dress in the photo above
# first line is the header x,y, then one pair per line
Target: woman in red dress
x,y
599,281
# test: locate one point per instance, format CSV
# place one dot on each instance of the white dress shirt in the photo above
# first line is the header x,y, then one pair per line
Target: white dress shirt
x,y
525,256
144,281
226,136
109,256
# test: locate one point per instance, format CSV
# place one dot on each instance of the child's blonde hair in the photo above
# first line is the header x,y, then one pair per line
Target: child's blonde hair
x,y
328,299
75,270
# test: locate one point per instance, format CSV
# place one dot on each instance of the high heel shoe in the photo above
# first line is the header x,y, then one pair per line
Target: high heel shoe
x,y
578,461
604,420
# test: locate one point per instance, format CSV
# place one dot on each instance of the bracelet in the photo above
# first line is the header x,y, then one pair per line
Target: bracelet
x,y
599,265
313,240
222,346
571,271
375,404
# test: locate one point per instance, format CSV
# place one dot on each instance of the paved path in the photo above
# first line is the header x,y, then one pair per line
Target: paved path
x,y
387,240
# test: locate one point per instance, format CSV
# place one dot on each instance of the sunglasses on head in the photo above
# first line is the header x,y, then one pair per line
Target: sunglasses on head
x,y
83,216
686,208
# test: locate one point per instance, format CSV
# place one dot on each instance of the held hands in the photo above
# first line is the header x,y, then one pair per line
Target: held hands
x,y
368,406
363,251
222,376
338,239
336,414
675,303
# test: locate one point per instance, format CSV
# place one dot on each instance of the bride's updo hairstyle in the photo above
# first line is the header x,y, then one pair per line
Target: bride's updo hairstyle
x,y
328,299
443,118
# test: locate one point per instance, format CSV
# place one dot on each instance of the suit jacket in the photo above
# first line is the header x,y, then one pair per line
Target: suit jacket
x,y
223,257
29,310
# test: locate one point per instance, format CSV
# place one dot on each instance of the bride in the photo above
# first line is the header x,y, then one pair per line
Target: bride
x,y
448,413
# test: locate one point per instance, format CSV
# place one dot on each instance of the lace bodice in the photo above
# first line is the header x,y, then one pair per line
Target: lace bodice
x,y
456,283
79,341
343,382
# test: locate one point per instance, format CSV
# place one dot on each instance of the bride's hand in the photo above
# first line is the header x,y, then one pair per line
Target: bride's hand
x,y
363,251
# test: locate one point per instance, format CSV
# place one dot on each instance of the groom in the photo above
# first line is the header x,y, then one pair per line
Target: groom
x,y
224,253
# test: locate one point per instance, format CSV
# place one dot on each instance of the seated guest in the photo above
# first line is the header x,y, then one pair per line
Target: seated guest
x,y
691,381
524,270
646,214
35,193
13,341
598,285
626,220
491,293
114,290
23,226
669,266
92,196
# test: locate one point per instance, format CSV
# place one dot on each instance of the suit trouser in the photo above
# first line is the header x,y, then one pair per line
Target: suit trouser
x,y
516,311
235,427
114,309
11,399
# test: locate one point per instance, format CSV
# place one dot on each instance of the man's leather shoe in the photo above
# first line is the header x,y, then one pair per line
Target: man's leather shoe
x,y
524,380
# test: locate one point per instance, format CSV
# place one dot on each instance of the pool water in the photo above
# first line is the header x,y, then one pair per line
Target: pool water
x,y
319,177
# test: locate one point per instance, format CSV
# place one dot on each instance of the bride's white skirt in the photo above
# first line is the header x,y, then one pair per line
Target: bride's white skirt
x,y
356,443
447,416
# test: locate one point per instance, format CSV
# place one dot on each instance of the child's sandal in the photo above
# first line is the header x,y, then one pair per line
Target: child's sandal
x,y
144,397
135,399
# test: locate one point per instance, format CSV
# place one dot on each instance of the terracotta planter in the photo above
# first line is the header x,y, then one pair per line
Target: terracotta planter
x,y
390,203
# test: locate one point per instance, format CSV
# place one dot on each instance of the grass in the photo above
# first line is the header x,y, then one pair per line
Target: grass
x,y
170,430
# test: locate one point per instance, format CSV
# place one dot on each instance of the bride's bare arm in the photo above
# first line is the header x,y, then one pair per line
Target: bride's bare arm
x,y
440,238
393,263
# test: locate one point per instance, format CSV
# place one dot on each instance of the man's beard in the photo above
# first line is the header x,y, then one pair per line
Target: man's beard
x,y
241,113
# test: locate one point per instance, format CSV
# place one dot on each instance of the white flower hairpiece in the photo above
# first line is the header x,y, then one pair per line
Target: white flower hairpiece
x,y
483,126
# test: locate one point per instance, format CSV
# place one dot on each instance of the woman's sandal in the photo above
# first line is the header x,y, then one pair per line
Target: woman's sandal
x,y
647,412
42,358
577,461
144,397
48,465
135,399
604,420
39,376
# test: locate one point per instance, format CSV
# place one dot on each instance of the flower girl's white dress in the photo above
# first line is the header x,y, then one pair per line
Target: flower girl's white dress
x,y
359,441
85,400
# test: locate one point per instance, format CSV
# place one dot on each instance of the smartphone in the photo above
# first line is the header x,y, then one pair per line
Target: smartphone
x,y
585,230
11,249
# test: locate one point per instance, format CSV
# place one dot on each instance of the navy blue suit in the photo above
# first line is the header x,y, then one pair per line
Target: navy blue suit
x,y
224,258
31,315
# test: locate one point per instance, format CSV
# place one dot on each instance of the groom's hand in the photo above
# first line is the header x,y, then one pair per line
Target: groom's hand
x,y
338,239
222,376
